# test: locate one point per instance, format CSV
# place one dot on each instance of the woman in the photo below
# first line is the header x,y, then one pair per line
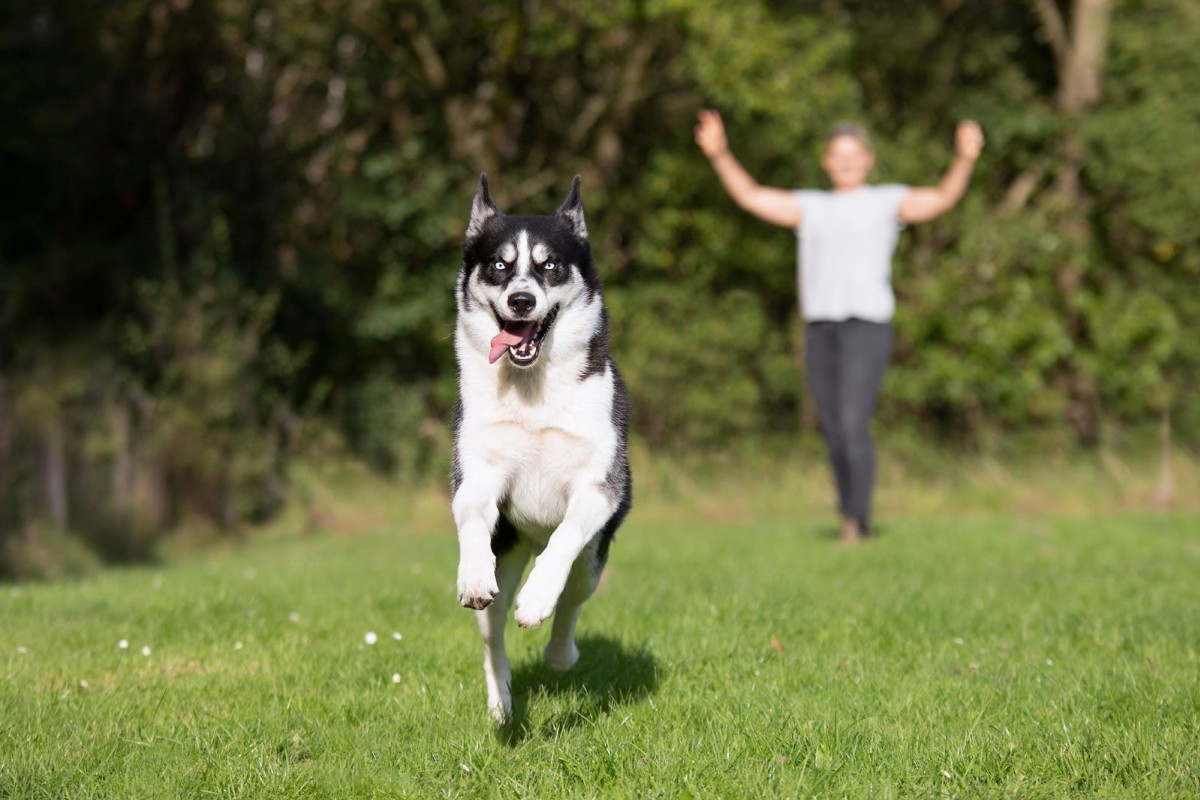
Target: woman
x,y
847,239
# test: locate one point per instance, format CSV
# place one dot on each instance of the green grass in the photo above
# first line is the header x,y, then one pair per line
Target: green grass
x,y
987,654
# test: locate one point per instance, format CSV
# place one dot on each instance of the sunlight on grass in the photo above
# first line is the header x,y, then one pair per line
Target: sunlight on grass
x,y
976,649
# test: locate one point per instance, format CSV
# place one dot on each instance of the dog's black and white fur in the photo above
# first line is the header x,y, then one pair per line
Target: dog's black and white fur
x,y
541,462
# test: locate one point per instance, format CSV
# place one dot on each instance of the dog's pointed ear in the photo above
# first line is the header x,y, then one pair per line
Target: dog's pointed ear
x,y
483,208
572,209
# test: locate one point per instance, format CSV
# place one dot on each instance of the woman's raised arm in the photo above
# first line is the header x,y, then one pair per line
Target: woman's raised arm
x,y
924,203
776,206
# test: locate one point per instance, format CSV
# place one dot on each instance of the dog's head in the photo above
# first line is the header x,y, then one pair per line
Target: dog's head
x,y
524,271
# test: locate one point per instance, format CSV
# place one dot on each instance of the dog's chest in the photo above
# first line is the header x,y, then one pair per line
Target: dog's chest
x,y
541,480
544,450
544,466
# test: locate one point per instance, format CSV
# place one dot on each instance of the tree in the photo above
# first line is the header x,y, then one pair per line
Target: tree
x,y
1079,51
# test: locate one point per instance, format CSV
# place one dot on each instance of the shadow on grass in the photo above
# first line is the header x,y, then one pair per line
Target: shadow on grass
x,y
833,533
827,532
608,675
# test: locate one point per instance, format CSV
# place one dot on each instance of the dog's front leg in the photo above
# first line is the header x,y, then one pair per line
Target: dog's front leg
x,y
587,512
497,670
476,510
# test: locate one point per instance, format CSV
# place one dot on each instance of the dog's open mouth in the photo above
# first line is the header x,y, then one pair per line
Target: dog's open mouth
x,y
521,339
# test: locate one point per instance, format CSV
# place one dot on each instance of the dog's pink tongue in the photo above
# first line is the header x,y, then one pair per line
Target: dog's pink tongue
x,y
500,344
506,339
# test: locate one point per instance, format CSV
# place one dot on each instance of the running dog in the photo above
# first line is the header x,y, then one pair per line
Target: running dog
x,y
541,464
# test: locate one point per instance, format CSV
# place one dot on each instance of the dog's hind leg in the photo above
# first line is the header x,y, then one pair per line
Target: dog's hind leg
x,y
561,652
497,669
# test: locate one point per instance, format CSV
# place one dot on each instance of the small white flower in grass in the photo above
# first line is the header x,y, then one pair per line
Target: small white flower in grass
x,y
146,650
370,638
959,640
84,684
123,644
947,774
22,650
237,645
1049,662
396,635
294,616
395,677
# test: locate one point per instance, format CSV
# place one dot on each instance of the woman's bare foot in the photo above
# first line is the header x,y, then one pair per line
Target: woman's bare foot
x,y
851,533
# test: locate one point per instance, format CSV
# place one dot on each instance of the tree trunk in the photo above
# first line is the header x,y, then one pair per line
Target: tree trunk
x,y
1081,66
54,476
1079,54
8,489
122,466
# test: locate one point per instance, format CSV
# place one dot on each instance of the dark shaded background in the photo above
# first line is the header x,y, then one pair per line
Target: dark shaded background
x,y
229,230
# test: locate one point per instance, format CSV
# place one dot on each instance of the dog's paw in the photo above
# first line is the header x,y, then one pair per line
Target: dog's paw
x,y
477,586
500,708
561,657
535,603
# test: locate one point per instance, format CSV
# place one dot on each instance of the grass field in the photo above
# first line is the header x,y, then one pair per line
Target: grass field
x,y
977,649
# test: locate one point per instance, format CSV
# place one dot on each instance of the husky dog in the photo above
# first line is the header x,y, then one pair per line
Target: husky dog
x,y
541,465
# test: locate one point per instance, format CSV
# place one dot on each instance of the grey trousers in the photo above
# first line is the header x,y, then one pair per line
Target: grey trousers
x,y
845,362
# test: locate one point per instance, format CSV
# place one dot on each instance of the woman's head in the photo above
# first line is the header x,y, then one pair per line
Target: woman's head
x,y
848,157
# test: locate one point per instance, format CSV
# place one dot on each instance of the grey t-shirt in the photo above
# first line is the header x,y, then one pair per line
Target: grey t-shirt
x,y
847,240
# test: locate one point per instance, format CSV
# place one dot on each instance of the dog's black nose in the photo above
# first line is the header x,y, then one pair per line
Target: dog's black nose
x,y
521,302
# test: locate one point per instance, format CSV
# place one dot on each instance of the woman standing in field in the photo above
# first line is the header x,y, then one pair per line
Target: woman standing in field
x,y
847,240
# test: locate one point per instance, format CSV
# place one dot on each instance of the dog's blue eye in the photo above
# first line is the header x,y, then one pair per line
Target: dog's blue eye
x,y
550,265
499,266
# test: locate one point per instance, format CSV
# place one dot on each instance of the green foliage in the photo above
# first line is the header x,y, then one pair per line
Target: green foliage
x,y
978,329
253,212
41,551
178,416
388,425
674,355
1143,140
215,413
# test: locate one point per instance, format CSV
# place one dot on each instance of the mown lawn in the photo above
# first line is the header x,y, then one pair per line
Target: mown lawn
x,y
740,655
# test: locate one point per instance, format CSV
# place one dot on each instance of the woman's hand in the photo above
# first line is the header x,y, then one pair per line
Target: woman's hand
x,y
776,206
968,140
710,133
922,204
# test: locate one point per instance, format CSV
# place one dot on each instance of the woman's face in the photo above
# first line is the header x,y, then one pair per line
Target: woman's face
x,y
847,162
